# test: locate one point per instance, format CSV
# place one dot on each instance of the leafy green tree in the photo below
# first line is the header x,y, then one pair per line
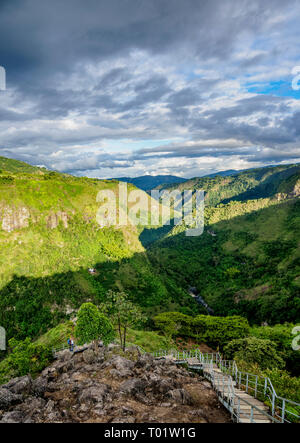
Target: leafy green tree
x,y
255,351
123,312
24,358
216,331
92,325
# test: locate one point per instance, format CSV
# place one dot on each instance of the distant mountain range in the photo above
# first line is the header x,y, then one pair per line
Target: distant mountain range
x,y
148,182
223,173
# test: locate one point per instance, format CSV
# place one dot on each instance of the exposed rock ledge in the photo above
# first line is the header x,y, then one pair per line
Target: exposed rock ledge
x,y
12,219
110,388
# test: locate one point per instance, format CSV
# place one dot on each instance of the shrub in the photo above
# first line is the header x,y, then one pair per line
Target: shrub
x,y
282,336
92,325
254,351
25,358
216,331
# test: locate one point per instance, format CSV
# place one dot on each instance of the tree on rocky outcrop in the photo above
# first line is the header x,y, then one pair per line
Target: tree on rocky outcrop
x,y
92,325
123,313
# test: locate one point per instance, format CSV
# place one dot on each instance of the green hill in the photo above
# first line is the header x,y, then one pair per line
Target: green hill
x,y
50,238
250,184
246,264
11,165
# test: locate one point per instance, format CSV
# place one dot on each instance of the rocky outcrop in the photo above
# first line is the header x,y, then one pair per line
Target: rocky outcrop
x,y
110,386
54,219
13,218
295,192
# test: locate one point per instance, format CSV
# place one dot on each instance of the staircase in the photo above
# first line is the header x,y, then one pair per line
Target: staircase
x,y
243,407
249,398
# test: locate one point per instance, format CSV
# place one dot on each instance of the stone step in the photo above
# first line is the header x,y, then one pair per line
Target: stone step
x,y
247,420
248,408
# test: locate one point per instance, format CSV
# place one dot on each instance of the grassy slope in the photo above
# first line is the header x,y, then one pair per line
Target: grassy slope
x,y
10,165
252,262
148,340
44,272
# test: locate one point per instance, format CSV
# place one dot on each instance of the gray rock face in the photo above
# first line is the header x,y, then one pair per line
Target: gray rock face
x,y
8,398
14,218
122,363
145,361
122,367
180,396
20,385
133,386
96,394
89,356
13,417
109,387
39,386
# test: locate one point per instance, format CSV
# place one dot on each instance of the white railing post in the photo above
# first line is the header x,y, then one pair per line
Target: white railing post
x,y
265,387
273,402
283,411
251,417
256,381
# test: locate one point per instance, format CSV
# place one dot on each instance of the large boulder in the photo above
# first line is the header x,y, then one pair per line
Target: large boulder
x,y
133,386
161,385
122,367
145,361
20,385
39,386
95,394
89,356
12,417
8,399
64,355
180,396
121,363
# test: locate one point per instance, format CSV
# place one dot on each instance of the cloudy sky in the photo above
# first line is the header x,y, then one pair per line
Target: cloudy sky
x,y
110,88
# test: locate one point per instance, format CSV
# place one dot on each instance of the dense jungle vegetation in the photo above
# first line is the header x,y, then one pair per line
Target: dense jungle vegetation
x,y
246,265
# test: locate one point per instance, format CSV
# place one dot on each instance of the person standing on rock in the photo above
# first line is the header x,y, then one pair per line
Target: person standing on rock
x,y
71,344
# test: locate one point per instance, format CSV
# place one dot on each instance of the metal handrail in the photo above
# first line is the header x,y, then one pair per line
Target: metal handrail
x,y
224,385
263,389
255,385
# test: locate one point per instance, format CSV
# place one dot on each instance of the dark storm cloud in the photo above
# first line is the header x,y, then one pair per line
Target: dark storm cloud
x,y
41,38
81,73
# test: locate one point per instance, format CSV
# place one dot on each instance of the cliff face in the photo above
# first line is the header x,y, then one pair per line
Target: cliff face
x,y
110,387
12,219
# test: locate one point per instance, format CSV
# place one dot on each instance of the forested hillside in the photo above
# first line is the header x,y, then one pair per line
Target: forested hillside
x,y
49,239
246,262
250,184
